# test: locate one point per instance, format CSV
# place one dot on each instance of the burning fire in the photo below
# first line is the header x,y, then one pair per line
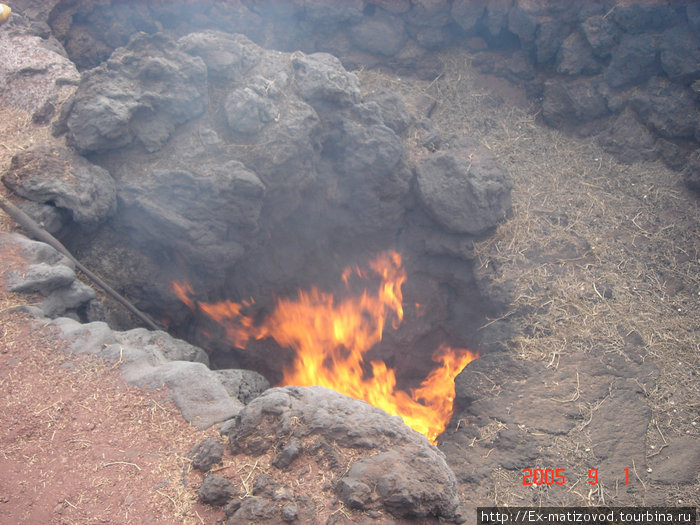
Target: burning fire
x,y
331,336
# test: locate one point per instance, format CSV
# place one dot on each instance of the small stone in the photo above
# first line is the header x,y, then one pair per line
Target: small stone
x,y
216,490
206,454
290,512
288,454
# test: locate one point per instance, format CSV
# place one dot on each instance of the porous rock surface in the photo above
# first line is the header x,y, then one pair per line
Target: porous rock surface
x,y
397,470
465,192
617,47
140,94
35,74
268,172
55,176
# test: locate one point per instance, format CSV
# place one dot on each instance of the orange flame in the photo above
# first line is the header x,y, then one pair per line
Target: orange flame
x,y
331,336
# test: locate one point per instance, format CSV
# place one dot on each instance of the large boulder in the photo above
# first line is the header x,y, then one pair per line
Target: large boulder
x,y
207,217
139,95
396,469
466,192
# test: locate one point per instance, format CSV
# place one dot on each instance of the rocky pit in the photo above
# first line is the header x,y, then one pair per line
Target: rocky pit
x,y
206,146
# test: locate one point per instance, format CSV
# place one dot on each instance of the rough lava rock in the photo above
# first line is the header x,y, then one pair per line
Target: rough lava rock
x,y
140,94
245,385
208,217
55,175
578,100
398,470
216,490
322,79
628,139
285,158
465,193
228,57
667,108
632,61
35,74
51,274
206,454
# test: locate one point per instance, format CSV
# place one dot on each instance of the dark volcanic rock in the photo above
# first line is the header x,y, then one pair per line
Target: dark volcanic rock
x,y
570,102
464,193
548,39
255,509
227,57
575,57
395,114
633,61
52,219
467,14
245,385
668,109
193,387
333,11
496,16
58,176
159,342
216,490
680,53
291,450
522,24
375,177
602,34
48,272
247,112
43,278
639,17
206,454
321,80
34,71
628,139
195,213
399,471
140,94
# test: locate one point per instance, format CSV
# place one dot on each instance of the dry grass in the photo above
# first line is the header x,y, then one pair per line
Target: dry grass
x,y
596,252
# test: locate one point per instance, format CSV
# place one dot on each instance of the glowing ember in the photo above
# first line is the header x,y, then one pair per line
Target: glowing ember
x,y
331,336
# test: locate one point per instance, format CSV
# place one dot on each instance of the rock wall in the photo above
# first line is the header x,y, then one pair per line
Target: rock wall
x,y
626,71
249,172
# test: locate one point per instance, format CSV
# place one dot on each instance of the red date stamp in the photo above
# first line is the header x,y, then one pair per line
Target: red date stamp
x,y
557,476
